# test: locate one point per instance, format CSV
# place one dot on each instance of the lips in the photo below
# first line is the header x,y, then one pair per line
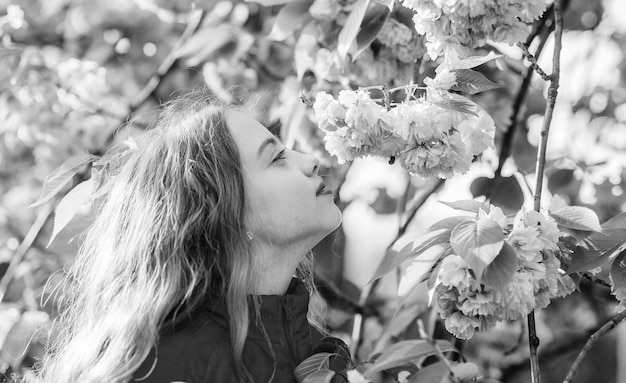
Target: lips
x,y
321,189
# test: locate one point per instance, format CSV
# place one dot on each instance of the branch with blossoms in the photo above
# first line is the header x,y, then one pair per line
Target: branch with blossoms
x,y
433,136
486,267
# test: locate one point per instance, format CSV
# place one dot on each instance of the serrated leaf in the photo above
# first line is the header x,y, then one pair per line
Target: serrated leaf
x,y
577,217
468,205
588,259
448,223
312,364
471,62
472,82
618,277
61,176
69,206
406,351
457,106
351,28
500,272
372,24
321,376
394,258
291,17
433,373
478,243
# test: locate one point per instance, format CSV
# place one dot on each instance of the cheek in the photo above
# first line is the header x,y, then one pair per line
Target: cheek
x,y
278,207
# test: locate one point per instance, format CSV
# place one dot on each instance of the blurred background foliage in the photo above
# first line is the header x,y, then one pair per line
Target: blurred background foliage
x,y
79,75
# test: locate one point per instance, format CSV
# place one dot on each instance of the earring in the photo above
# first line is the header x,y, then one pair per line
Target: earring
x,y
249,235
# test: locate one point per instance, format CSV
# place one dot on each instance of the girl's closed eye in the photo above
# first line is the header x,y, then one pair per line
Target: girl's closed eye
x,y
280,156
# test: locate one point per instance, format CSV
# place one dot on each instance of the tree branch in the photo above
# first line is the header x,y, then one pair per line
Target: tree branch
x,y
608,326
507,139
533,340
533,62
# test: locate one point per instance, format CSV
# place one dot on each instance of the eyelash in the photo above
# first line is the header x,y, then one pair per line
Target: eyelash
x,y
280,156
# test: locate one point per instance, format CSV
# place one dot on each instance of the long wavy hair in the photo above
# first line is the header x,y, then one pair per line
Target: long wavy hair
x,y
170,235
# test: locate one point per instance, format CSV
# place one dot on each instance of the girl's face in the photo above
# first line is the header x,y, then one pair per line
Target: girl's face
x,y
287,204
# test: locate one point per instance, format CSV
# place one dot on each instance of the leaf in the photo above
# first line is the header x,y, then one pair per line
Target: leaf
x,y
562,181
618,276
372,24
61,175
316,362
291,17
304,51
415,274
406,351
457,106
393,258
351,28
472,82
478,243
577,217
433,373
321,376
268,3
386,3
468,205
18,330
471,62
204,43
448,223
587,259
69,206
500,272
503,192
617,222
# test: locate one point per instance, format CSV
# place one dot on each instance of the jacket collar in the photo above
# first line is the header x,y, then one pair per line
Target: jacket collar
x,y
278,313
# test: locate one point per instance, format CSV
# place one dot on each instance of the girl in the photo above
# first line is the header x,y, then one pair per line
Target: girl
x,y
197,268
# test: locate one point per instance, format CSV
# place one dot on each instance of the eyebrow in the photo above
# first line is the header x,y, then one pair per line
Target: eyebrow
x,y
265,144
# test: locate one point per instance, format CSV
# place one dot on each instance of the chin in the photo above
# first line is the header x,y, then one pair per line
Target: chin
x,y
338,220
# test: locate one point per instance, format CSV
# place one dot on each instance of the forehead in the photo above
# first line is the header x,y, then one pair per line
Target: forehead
x,y
247,132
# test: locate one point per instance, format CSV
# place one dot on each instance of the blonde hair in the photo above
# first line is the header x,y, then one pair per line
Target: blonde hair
x,y
170,233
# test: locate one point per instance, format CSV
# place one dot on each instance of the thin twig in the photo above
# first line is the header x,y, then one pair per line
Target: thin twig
x,y
608,326
417,205
533,61
507,139
533,340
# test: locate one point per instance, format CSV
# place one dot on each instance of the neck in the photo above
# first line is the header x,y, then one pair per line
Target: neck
x,y
276,268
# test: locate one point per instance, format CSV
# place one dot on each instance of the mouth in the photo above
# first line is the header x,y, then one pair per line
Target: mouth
x,y
322,190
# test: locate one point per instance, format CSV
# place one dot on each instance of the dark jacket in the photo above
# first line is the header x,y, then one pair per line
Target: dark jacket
x,y
199,351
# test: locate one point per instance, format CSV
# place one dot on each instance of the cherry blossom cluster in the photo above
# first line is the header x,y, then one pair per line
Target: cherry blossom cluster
x,y
467,305
469,23
427,139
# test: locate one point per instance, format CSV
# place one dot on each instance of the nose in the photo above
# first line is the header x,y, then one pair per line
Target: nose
x,y
310,165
